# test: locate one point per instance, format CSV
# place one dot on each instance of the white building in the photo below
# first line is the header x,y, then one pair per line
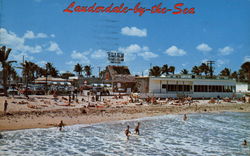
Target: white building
x,y
242,87
188,85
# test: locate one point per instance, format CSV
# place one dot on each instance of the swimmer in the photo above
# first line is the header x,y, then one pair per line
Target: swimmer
x,y
127,132
185,117
244,143
137,131
60,125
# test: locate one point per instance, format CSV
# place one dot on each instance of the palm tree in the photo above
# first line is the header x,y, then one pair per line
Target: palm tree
x,y
4,54
66,75
164,69
10,71
102,74
242,76
51,70
171,69
184,71
40,72
87,70
155,71
245,67
196,70
78,69
204,68
234,75
28,71
225,72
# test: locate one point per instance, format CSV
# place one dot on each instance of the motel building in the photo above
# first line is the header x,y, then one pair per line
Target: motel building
x,y
186,85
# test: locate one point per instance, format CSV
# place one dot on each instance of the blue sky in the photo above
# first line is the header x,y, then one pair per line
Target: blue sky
x,y
40,30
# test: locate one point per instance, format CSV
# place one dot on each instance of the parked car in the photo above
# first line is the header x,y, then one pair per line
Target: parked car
x,y
12,91
25,91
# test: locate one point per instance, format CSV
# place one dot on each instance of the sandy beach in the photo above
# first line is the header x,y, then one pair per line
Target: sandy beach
x,y
47,111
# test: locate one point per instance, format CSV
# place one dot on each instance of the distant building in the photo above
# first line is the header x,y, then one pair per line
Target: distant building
x,y
52,81
242,87
120,78
186,85
80,81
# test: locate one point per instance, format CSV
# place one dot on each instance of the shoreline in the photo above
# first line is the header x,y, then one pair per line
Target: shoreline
x,y
30,119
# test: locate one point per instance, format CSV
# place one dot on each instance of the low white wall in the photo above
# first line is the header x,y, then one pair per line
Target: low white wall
x,y
241,87
192,94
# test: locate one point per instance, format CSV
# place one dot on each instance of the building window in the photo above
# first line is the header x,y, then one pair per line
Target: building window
x,y
215,88
178,88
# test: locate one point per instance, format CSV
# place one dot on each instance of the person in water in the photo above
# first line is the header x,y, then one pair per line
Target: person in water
x,y
127,132
137,131
244,143
185,117
61,125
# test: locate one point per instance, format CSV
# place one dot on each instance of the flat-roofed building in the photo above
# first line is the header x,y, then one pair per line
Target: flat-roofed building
x,y
187,85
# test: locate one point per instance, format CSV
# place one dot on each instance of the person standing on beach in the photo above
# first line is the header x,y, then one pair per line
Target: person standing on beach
x,y
69,99
127,132
137,131
61,125
5,106
185,117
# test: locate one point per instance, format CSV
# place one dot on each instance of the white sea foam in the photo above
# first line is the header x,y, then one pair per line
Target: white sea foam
x,y
201,134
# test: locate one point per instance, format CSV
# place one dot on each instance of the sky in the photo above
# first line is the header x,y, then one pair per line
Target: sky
x,y
40,31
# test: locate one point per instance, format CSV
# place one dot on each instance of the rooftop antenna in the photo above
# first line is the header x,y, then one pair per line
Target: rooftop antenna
x,y
211,69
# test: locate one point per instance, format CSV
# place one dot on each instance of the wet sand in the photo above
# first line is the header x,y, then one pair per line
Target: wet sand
x,y
44,111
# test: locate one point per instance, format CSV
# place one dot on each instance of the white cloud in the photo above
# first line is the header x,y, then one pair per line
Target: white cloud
x,y
247,59
134,50
204,60
54,47
99,54
148,55
220,62
226,50
71,63
31,35
10,39
203,47
175,51
52,35
133,31
42,35
17,56
41,63
81,57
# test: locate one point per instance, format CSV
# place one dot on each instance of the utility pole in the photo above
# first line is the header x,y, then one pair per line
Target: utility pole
x,y
46,79
210,65
23,72
99,69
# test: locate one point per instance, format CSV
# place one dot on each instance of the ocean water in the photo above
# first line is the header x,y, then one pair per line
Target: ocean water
x,y
212,134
